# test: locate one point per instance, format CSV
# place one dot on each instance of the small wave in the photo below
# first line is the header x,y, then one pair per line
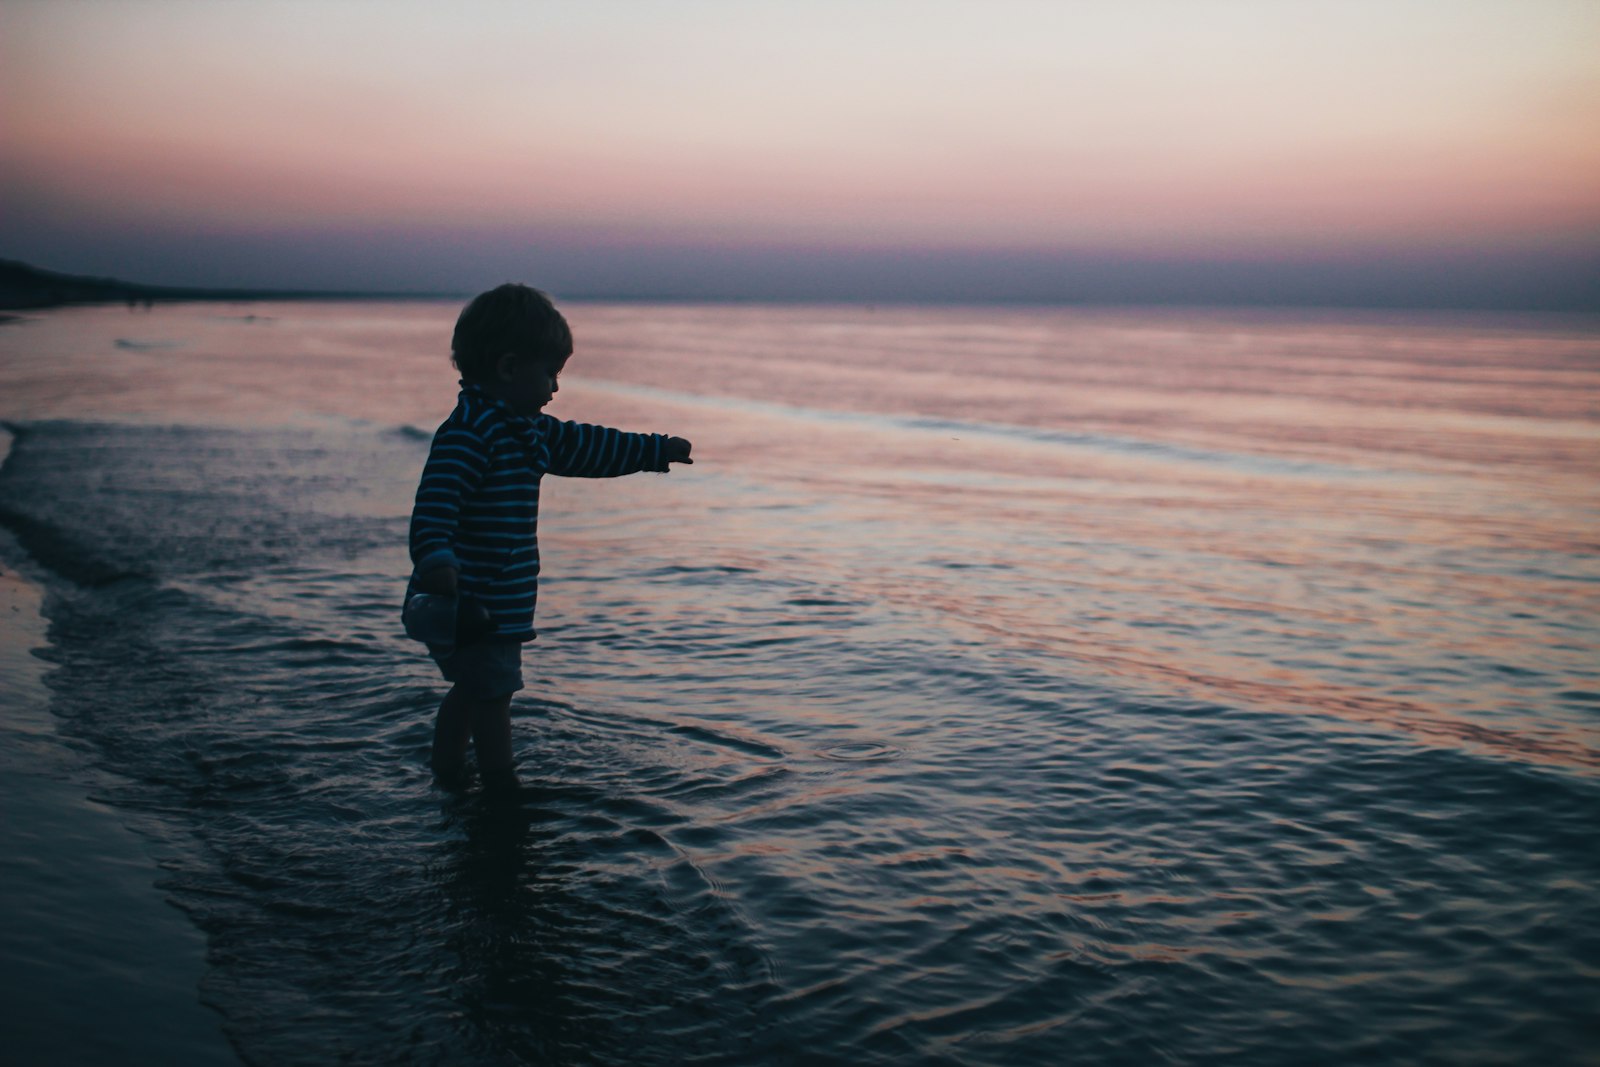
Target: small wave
x,y
749,746
142,345
685,569
60,552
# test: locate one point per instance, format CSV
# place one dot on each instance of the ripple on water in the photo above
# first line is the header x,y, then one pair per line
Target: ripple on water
x,y
842,793
860,752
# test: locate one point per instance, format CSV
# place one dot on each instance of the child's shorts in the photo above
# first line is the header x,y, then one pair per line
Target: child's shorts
x,y
484,669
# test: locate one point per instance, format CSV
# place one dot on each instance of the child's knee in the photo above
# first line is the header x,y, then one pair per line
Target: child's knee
x,y
485,670
490,707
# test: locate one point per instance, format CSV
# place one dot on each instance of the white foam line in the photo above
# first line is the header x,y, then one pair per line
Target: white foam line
x,y
929,424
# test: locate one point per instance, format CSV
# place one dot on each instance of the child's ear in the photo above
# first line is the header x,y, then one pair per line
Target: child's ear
x,y
505,366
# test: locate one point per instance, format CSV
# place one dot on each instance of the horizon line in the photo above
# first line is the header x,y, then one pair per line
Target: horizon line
x,y
83,290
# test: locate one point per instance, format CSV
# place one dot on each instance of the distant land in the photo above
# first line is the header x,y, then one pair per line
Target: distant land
x,y
24,287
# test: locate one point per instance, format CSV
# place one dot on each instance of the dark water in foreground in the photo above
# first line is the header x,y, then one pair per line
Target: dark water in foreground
x,y
999,687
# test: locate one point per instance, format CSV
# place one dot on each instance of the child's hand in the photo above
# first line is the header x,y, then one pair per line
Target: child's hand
x,y
678,450
441,581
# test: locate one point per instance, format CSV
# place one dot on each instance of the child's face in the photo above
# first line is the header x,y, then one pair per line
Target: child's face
x,y
528,384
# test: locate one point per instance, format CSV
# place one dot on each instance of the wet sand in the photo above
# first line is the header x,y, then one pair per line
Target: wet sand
x,y
99,967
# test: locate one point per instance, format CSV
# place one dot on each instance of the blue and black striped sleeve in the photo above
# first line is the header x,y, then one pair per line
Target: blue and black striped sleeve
x,y
581,450
455,467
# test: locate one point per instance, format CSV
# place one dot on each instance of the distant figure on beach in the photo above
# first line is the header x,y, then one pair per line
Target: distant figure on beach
x,y
474,528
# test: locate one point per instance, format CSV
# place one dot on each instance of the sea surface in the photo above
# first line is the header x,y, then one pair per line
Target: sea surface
x,y
1000,685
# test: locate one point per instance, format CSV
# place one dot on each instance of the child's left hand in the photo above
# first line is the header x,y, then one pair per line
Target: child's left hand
x,y
678,450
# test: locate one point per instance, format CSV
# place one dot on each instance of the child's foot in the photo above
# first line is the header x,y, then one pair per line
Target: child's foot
x,y
453,778
501,782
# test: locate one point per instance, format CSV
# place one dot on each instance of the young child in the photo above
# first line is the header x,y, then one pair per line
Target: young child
x,y
474,536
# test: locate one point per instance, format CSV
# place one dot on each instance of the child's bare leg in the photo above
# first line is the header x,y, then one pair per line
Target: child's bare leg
x,y
452,729
491,736
487,723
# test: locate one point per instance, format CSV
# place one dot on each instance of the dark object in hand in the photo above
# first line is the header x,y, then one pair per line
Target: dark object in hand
x,y
446,621
472,621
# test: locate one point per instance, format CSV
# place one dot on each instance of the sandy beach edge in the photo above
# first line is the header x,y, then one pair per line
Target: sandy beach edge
x,y
97,966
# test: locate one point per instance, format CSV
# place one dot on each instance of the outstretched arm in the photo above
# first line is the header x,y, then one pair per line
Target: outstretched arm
x,y
582,450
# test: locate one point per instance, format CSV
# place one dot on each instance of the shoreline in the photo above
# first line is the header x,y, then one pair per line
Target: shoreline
x,y
83,922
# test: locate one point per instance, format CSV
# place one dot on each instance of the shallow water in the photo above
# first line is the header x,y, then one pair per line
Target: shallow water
x,y
81,924
999,686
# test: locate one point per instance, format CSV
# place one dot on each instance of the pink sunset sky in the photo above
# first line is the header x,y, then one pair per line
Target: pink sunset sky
x,y
1434,151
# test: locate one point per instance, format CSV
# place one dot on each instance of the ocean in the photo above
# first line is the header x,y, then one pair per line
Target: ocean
x,y
999,686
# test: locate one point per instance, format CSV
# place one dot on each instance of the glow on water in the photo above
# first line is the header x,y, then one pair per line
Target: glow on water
x,y
998,685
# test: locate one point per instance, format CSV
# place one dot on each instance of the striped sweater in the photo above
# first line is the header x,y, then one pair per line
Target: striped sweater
x,y
477,505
